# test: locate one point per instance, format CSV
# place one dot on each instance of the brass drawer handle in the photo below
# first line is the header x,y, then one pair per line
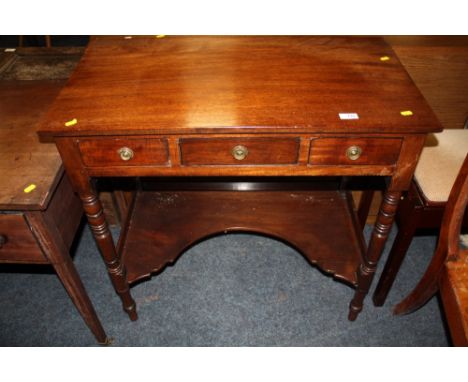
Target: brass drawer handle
x,y
239,152
3,240
126,153
353,152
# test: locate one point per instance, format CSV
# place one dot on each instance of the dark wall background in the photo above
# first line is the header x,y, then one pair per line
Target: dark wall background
x,y
13,41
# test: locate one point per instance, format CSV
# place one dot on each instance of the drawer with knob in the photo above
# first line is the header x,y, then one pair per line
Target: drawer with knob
x,y
354,151
17,242
239,151
124,152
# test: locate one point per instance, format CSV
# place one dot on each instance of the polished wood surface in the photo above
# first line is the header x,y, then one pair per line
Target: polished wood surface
x,y
438,65
237,107
208,84
448,267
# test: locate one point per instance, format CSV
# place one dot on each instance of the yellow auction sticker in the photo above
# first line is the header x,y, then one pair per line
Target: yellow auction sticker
x,y
72,122
406,113
30,188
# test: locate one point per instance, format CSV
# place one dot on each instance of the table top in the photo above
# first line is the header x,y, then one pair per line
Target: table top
x,y
439,67
23,159
238,84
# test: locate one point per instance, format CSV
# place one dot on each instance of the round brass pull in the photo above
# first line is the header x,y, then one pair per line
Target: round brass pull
x,y
353,152
126,153
240,152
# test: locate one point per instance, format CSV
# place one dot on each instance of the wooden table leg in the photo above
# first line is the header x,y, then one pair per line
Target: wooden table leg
x,y
379,236
100,229
406,230
92,206
57,253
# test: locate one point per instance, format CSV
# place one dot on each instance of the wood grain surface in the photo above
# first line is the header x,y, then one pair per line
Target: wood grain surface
x,y
23,159
439,67
208,84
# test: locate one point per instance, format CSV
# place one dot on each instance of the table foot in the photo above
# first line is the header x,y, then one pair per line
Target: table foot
x,y
132,313
107,342
353,313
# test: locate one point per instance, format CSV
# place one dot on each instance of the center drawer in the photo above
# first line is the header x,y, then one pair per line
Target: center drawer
x,y
239,151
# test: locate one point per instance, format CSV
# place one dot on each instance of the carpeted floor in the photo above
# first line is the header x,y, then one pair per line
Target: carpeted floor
x,y
232,290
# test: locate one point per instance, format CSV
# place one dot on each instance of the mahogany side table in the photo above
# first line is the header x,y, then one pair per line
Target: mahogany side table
x,y
248,125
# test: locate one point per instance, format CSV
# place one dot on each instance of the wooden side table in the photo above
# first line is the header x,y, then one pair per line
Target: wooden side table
x,y
39,212
249,125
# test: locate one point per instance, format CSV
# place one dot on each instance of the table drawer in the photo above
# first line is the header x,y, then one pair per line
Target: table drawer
x,y
354,151
239,151
17,243
124,152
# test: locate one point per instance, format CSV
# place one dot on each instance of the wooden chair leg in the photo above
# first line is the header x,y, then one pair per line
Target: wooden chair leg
x,y
406,231
48,42
447,250
20,41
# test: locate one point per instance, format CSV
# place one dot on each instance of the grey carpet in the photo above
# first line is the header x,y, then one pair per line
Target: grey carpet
x,y
231,290
49,68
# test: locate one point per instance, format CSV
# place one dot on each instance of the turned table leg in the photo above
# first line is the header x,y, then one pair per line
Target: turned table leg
x,y
403,239
100,229
92,206
379,236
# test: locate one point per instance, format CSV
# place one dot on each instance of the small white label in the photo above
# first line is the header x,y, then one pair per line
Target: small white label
x,y
10,50
348,115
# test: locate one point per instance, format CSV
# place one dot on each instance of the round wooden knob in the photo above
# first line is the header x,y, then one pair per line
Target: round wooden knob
x,y
3,240
126,153
353,152
239,152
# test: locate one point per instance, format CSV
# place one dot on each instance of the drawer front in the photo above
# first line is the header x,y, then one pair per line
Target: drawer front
x,y
354,151
17,243
124,152
239,151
